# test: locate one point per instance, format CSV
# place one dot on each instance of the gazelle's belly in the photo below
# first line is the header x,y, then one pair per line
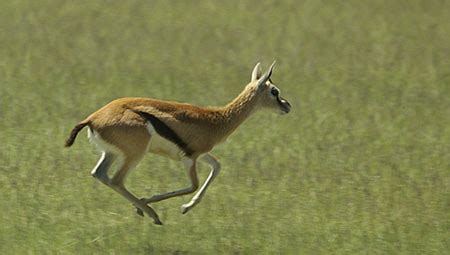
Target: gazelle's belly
x,y
161,146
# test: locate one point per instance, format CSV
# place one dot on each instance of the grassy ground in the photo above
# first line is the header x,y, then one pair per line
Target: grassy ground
x,y
360,165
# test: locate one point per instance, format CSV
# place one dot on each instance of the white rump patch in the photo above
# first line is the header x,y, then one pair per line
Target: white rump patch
x,y
105,147
101,144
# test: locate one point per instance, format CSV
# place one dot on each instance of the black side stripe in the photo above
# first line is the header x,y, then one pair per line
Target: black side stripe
x,y
165,131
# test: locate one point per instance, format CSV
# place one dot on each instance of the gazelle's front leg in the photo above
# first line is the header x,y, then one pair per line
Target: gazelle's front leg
x,y
215,169
193,176
191,166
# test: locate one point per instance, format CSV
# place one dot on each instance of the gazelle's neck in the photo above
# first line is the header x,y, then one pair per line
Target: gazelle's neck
x,y
238,110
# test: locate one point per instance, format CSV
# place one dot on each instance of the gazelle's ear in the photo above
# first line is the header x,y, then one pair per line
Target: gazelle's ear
x,y
266,76
269,72
256,72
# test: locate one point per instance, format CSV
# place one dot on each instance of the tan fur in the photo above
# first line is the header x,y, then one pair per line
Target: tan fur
x,y
201,128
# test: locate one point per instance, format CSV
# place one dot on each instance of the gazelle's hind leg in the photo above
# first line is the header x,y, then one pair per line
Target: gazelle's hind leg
x,y
117,183
100,171
126,144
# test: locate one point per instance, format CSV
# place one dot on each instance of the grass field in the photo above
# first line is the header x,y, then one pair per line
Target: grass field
x,y
361,165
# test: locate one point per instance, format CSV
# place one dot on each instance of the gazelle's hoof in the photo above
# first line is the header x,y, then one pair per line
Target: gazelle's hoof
x,y
185,209
141,213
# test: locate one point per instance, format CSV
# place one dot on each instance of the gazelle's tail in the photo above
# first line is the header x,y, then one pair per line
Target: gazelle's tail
x,y
74,133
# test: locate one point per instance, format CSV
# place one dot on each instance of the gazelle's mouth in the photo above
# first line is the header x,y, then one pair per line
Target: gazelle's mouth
x,y
284,105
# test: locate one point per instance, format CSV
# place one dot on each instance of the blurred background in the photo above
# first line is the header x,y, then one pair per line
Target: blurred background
x,y
360,165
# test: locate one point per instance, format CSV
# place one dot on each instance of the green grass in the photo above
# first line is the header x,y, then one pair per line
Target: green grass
x,y
361,165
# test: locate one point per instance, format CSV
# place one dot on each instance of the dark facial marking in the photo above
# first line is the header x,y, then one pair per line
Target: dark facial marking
x,y
274,92
165,131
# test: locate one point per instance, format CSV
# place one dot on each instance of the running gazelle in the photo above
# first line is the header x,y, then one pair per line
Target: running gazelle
x,y
127,128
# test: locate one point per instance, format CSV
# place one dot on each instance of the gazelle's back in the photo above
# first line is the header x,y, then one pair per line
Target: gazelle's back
x,y
191,123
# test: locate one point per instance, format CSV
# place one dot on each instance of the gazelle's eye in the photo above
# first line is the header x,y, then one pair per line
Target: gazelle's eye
x,y
274,92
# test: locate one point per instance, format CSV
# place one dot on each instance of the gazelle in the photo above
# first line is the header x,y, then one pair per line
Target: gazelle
x,y
126,129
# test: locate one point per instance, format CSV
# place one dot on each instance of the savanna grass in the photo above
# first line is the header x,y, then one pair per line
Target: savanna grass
x,y
359,166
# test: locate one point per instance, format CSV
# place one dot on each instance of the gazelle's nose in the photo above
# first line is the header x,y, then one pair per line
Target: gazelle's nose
x,y
286,105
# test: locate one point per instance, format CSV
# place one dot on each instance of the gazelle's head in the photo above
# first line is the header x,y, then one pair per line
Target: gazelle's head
x,y
267,93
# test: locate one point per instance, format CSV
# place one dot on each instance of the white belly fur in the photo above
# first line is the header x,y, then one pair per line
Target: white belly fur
x,y
160,145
